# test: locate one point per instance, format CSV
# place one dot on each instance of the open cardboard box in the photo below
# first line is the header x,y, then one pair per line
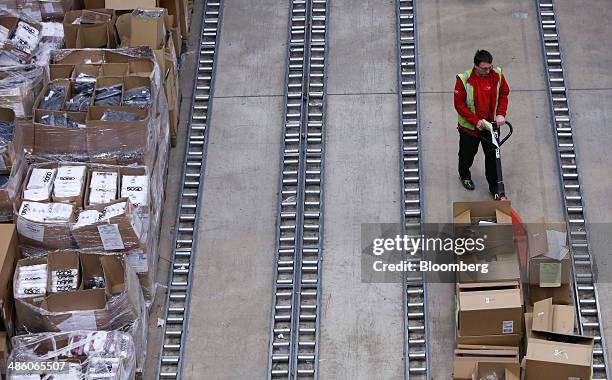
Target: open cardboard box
x,y
549,263
46,235
77,201
108,308
108,137
501,267
551,355
22,50
490,220
503,371
467,356
120,232
485,309
95,30
548,317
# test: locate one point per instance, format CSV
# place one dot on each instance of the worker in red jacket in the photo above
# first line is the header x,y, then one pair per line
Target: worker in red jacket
x,y
481,94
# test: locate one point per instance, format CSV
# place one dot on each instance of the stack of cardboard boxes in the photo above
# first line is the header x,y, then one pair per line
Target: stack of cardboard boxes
x,y
84,140
494,334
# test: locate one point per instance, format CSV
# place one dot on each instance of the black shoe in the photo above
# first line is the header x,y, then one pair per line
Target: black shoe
x,y
494,194
468,184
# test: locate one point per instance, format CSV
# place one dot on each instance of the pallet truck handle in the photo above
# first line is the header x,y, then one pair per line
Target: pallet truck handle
x,y
501,140
506,137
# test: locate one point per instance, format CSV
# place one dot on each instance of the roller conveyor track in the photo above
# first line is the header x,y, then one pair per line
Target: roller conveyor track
x,y
295,322
190,200
416,347
587,303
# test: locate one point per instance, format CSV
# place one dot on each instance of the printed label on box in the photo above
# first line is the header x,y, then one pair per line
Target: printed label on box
x,y
138,262
79,320
508,327
110,236
550,275
30,229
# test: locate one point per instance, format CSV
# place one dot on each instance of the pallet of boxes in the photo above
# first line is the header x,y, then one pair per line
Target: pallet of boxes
x,y
498,335
162,27
84,139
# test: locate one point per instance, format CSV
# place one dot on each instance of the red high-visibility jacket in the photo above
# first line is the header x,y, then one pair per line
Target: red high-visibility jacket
x,y
485,91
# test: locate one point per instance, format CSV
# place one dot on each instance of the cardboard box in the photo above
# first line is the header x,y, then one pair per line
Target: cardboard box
x,y
502,267
502,340
22,38
560,296
43,234
95,29
505,371
553,318
549,263
8,259
489,220
179,10
148,27
553,356
117,233
60,72
112,137
85,308
466,358
489,308
130,4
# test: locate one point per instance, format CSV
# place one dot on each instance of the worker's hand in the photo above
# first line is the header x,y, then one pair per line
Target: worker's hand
x,y
481,125
500,120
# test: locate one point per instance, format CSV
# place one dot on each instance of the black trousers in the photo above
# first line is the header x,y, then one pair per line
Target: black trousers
x,y
468,147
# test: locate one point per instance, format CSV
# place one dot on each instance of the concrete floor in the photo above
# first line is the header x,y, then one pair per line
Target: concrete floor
x,y
361,324
589,79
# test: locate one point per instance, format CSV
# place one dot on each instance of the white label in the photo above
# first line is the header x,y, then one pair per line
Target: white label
x,y
31,230
86,218
103,180
41,178
79,320
508,327
138,262
110,236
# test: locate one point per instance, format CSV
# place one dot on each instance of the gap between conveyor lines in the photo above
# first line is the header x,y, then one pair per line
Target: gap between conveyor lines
x,y
587,303
297,279
188,215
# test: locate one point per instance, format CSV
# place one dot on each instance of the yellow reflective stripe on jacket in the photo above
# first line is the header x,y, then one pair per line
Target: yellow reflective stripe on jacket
x,y
469,98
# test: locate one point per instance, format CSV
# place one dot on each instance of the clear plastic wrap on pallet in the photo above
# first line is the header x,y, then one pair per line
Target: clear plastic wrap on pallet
x,y
122,129
19,37
12,164
82,354
109,208
19,87
72,290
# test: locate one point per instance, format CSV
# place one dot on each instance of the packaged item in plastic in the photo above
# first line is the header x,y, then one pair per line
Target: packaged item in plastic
x,y
139,97
69,183
31,281
19,87
135,187
111,115
81,96
102,187
54,98
109,355
108,96
38,187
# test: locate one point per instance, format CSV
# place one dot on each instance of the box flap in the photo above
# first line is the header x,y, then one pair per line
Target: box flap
x,y
553,318
543,315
